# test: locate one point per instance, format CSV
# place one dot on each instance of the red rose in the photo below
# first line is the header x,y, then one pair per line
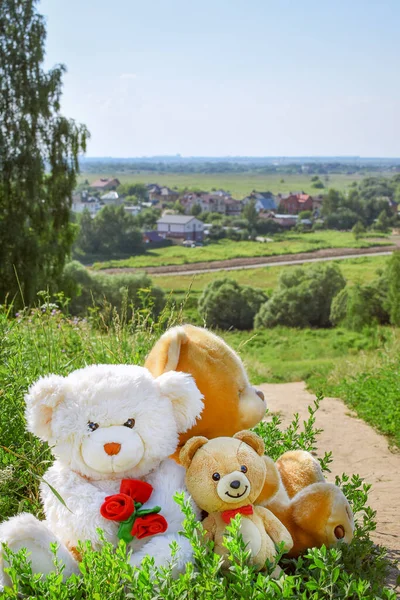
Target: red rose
x,y
140,491
149,525
117,508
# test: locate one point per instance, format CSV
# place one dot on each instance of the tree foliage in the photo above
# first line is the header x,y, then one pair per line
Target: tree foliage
x,y
39,151
226,304
111,233
393,273
303,298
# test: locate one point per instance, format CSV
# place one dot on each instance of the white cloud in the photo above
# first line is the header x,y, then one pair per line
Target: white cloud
x,y
128,76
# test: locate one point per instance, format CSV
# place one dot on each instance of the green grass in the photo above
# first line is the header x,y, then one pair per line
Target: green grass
x,y
282,354
238,184
291,243
361,269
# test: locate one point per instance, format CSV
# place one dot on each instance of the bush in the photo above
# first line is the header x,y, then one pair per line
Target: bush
x,y
303,298
87,289
217,232
359,306
226,304
393,276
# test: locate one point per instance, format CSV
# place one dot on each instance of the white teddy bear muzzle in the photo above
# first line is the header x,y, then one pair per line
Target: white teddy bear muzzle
x,y
112,449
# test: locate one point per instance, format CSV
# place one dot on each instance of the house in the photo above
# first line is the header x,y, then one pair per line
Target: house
x,y
262,200
233,208
285,220
181,227
317,202
215,202
105,184
293,203
85,202
110,198
152,237
163,193
133,210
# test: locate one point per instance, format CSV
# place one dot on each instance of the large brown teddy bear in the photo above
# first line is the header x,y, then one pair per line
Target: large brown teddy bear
x,y
224,476
316,513
231,403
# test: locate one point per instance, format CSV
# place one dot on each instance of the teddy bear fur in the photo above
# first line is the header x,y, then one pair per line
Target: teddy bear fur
x,y
315,512
82,416
310,508
231,403
226,474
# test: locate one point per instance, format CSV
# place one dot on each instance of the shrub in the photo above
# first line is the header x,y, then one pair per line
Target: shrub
x,y
226,304
123,292
217,232
393,276
303,298
359,306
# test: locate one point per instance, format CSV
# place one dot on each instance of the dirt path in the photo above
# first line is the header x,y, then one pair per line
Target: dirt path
x,y
233,264
356,448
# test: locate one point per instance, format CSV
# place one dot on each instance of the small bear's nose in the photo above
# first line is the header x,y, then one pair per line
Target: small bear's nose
x,y
112,448
235,484
260,394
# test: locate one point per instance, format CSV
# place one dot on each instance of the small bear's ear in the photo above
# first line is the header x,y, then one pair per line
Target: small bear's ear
x,y
41,400
190,448
252,440
164,356
186,399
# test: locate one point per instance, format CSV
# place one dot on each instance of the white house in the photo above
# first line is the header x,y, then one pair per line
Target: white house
x,y
110,198
180,226
90,204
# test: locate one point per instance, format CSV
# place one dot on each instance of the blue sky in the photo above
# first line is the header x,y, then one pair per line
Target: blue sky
x,y
230,77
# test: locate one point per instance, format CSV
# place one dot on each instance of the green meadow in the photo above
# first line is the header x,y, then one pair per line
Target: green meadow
x,y
291,243
238,184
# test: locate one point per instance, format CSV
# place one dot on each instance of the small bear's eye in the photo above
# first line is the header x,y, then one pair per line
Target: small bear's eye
x,y
243,468
216,476
130,423
92,426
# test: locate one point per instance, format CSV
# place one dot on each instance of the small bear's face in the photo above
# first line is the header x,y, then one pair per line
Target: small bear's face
x,y
224,473
112,420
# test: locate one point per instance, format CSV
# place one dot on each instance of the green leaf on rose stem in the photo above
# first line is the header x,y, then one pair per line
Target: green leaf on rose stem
x,y
148,511
125,528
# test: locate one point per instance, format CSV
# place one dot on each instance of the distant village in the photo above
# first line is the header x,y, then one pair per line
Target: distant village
x,y
183,225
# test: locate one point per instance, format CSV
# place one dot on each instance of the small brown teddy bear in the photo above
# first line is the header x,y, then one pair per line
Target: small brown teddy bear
x,y
224,477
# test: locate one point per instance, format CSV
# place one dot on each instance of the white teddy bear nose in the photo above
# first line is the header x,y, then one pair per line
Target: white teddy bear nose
x,y
112,448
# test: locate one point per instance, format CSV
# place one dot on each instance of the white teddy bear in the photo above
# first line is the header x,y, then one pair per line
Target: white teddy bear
x,y
108,425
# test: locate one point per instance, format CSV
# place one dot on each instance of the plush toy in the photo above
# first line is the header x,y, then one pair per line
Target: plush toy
x,y
224,477
111,429
315,512
231,403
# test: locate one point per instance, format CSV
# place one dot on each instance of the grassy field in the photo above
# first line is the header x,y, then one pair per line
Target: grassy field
x,y
289,244
361,368
238,184
361,269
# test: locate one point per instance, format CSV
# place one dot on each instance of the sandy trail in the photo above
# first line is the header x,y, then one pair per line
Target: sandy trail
x,y
356,448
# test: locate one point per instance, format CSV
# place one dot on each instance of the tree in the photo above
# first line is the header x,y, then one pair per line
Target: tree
x,y
382,223
358,230
303,298
39,151
251,215
195,210
226,304
393,273
305,214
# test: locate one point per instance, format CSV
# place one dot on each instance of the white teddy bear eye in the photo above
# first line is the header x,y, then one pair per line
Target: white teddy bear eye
x,y
130,423
92,426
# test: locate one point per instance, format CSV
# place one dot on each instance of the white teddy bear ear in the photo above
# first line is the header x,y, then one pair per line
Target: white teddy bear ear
x,y
185,397
41,400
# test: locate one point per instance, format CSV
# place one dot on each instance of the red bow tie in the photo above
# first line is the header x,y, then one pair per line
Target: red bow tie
x,y
227,515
